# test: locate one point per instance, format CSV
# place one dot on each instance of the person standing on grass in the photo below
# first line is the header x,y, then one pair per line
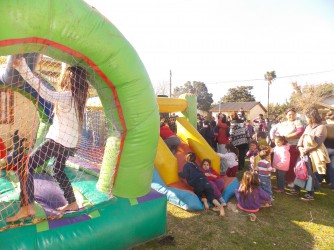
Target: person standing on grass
x,y
239,139
252,154
264,169
222,134
311,146
292,129
281,161
250,196
202,187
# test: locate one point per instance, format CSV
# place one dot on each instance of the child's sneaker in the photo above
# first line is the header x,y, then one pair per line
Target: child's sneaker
x,y
291,185
307,197
292,192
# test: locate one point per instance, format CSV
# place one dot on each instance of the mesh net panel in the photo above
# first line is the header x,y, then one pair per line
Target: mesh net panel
x,y
41,130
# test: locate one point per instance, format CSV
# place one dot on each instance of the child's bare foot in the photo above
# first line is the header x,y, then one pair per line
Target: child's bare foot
x,y
69,207
221,211
266,205
24,212
3,163
205,202
216,209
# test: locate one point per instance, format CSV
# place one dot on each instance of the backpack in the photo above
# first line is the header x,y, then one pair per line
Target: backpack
x,y
301,170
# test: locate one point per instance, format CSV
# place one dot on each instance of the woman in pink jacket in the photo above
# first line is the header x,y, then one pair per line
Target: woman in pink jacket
x,y
281,161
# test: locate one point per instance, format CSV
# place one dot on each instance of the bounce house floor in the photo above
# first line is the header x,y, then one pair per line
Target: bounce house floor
x,y
103,223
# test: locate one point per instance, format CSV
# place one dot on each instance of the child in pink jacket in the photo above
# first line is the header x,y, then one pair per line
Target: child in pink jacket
x,y
281,161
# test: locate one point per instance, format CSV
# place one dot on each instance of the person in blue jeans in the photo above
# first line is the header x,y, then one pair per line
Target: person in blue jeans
x,y
264,169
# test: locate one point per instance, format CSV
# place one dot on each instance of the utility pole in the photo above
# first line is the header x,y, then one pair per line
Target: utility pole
x,y
170,83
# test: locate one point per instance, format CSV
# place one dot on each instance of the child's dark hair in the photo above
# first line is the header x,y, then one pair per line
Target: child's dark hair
x,y
264,153
232,149
206,160
254,142
282,139
262,135
191,157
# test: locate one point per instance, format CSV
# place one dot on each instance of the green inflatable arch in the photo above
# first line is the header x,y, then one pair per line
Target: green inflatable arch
x,y
64,29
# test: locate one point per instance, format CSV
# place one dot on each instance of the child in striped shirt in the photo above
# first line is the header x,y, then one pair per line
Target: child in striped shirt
x,y
264,169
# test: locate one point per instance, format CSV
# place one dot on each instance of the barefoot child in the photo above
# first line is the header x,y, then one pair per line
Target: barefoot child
x,y
202,187
251,197
215,179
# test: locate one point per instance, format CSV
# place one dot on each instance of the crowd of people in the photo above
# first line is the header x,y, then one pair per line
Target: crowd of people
x,y
288,148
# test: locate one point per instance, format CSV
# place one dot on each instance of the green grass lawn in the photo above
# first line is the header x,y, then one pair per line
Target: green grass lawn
x,y
289,224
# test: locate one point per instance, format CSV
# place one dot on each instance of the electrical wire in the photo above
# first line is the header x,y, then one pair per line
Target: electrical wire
x,y
262,79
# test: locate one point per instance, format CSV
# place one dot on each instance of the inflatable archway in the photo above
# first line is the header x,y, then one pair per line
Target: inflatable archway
x,y
65,30
74,28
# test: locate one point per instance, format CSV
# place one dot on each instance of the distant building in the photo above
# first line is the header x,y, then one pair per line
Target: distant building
x,y
325,105
251,109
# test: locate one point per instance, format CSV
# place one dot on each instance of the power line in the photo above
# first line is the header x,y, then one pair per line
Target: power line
x,y
262,79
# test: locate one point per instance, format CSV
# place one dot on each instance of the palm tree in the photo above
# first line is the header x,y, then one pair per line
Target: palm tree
x,y
269,76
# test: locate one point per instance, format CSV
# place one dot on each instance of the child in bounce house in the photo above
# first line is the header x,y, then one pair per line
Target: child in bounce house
x,y
217,182
202,187
169,137
250,196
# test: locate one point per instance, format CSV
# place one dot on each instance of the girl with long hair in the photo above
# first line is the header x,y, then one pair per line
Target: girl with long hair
x,y
251,197
62,138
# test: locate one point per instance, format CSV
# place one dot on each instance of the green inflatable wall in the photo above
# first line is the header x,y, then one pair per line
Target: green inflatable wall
x,y
64,29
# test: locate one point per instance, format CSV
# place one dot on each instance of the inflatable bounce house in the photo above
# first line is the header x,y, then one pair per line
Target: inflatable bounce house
x,y
166,179
112,170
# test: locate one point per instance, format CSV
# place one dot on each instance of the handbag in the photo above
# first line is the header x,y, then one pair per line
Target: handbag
x,y
301,169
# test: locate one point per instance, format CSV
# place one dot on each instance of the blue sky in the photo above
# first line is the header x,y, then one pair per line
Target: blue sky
x,y
223,43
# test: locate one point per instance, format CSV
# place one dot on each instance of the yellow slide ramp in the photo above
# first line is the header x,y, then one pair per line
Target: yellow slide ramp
x,y
167,164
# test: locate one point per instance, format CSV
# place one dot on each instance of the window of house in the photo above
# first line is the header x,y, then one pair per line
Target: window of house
x,y
6,106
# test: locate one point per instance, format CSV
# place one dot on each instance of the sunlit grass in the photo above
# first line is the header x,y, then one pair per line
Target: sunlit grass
x,y
323,235
290,224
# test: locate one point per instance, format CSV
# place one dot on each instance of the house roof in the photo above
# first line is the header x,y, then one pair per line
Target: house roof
x,y
325,105
234,106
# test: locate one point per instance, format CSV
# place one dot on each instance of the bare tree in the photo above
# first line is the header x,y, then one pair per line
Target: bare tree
x,y
309,95
162,88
